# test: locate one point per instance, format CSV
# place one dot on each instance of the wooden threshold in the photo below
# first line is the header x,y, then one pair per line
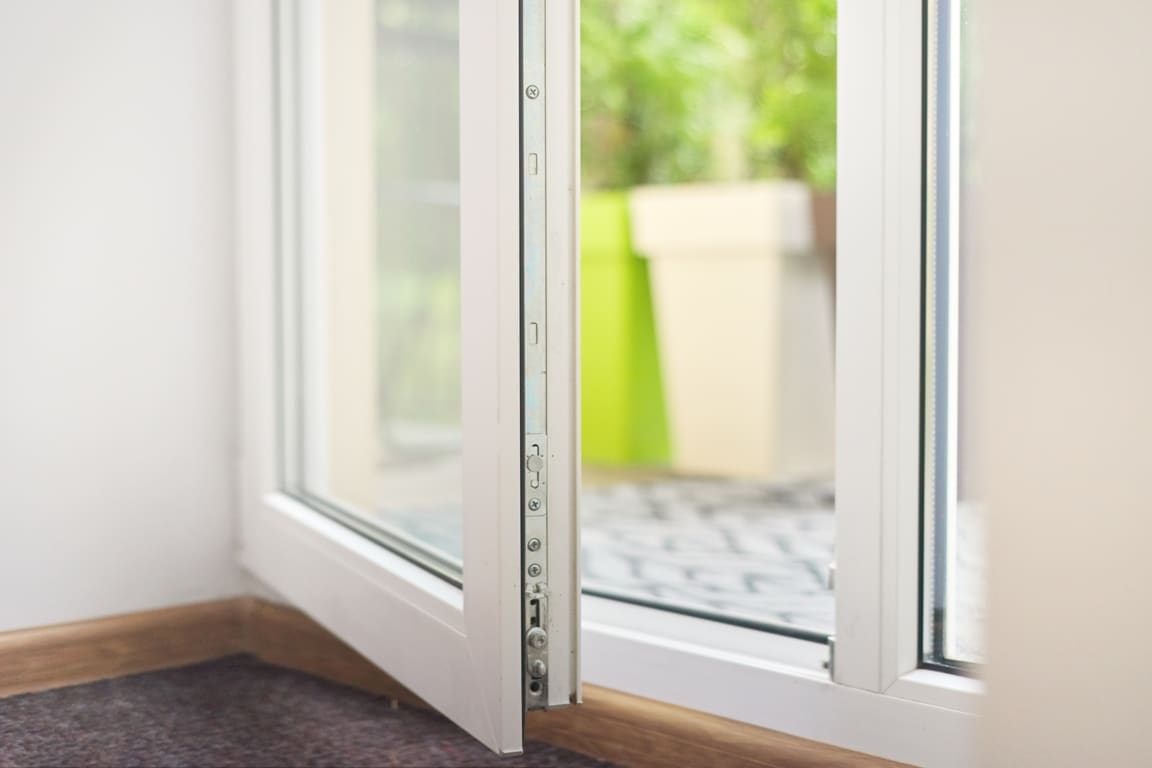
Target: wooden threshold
x,y
620,728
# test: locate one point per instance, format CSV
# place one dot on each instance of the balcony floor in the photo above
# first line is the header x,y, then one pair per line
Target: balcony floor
x,y
753,552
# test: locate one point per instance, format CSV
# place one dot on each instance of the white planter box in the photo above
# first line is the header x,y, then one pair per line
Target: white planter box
x,y
745,349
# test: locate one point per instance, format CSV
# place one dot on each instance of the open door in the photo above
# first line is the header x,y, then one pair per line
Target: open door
x,y
407,281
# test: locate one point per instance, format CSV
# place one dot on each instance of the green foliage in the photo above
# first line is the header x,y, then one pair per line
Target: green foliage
x,y
691,90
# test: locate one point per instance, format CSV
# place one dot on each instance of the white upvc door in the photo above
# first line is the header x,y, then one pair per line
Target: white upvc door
x,y
407,354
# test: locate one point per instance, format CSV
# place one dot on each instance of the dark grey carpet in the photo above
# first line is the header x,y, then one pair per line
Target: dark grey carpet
x,y
237,712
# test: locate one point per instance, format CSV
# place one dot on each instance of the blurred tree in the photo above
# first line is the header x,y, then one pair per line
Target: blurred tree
x,y
692,90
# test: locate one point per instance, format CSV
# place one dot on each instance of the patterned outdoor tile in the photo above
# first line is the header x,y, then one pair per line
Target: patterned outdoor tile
x,y
741,549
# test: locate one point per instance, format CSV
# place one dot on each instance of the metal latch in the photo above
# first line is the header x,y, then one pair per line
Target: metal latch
x,y
536,572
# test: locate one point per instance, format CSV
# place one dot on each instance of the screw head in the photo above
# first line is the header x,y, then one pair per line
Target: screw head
x,y
534,504
533,545
534,569
537,668
532,91
537,638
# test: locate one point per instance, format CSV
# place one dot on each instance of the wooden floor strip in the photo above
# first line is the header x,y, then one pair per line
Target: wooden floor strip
x,y
630,730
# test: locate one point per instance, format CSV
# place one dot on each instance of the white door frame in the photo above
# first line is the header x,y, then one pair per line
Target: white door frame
x,y
878,342
458,649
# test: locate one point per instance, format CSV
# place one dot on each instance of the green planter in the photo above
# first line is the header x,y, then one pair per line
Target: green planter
x,y
623,416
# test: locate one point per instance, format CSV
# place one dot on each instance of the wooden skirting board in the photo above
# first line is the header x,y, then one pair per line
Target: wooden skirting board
x,y
623,729
69,654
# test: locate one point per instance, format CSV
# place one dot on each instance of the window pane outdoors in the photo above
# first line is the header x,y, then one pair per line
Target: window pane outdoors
x,y
379,430
954,519
707,280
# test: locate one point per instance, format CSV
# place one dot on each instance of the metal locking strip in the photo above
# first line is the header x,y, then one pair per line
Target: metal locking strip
x,y
535,349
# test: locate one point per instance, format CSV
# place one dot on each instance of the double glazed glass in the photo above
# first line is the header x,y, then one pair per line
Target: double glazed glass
x,y
953,571
370,205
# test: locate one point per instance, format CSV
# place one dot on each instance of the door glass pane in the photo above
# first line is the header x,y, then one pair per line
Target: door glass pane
x,y
708,280
953,577
373,282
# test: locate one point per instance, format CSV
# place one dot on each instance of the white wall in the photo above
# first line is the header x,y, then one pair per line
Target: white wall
x,y
116,319
1061,293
